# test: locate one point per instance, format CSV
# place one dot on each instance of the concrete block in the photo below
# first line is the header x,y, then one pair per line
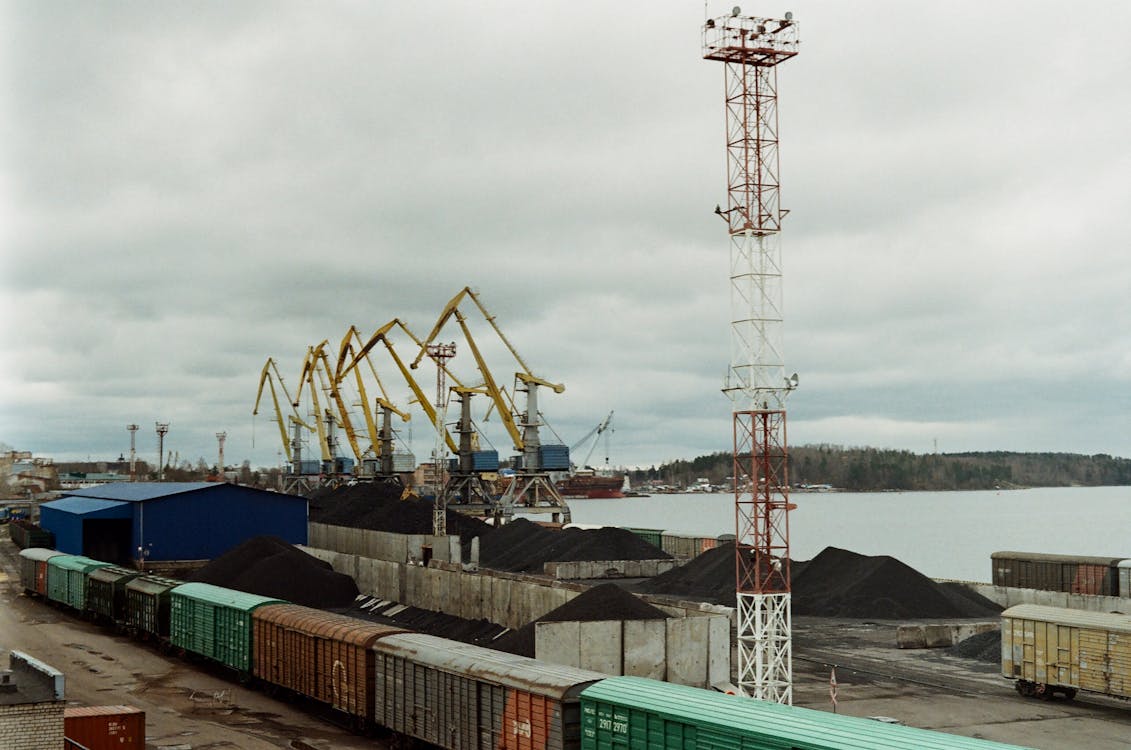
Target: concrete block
x,y
645,648
687,651
558,643
718,649
602,649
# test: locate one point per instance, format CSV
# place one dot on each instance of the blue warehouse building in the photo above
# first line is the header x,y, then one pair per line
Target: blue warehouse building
x,y
167,521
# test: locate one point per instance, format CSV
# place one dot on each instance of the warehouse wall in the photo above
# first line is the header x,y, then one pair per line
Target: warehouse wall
x,y
206,523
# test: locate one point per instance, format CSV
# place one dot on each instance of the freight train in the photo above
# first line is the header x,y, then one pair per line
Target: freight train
x,y
1050,650
1095,576
450,694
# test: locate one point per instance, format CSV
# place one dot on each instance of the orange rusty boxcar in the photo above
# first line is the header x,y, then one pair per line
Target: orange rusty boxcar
x,y
318,654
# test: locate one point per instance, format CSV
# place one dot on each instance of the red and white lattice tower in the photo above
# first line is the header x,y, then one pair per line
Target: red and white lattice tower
x,y
751,49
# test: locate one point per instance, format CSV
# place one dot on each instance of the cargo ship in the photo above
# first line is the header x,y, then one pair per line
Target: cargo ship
x,y
592,485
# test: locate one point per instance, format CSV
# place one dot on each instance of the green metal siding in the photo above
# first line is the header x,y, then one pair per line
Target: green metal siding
x,y
655,537
633,712
106,591
214,622
66,579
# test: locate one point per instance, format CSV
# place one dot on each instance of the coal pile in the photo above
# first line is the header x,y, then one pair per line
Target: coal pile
x,y
605,602
835,583
839,583
523,546
377,506
270,566
478,632
981,647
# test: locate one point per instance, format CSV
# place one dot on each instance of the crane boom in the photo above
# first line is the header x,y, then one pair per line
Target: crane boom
x,y
381,336
267,377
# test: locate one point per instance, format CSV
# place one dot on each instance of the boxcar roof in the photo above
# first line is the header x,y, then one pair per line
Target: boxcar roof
x,y
39,553
773,723
1074,617
326,624
511,670
1045,557
152,584
75,562
206,592
114,573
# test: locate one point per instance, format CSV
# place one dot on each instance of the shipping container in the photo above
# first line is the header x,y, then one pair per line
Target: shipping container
x,y
1069,573
634,712
214,622
105,727
33,568
457,695
1049,650
318,654
66,579
106,592
147,605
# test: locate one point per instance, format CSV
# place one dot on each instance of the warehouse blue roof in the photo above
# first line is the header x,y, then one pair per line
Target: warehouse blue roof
x,y
138,491
82,506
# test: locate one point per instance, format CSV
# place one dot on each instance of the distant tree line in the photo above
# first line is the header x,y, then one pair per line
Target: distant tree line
x,y
874,469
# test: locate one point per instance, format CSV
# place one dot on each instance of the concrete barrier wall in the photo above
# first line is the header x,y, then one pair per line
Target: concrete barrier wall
x,y
688,651
1008,597
383,545
591,569
940,635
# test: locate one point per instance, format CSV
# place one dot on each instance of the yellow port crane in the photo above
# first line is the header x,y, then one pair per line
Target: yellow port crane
x,y
381,336
380,438
531,488
268,377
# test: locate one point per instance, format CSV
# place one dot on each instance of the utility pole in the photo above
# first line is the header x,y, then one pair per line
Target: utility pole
x,y
220,438
133,451
162,430
751,49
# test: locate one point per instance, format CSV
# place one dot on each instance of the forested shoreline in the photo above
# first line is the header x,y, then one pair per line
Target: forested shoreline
x,y
876,469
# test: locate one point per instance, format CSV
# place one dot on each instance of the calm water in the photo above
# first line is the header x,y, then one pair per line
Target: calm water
x,y
940,534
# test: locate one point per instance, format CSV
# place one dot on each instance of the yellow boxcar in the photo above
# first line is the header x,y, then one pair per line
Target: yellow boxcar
x,y
1048,650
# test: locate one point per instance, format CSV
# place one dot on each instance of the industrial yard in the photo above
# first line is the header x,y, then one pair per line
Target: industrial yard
x,y
850,608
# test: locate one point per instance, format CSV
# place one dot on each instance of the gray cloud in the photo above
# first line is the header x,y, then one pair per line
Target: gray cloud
x,y
190,190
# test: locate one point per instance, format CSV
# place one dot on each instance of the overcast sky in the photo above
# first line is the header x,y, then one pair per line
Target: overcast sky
x,y
190,188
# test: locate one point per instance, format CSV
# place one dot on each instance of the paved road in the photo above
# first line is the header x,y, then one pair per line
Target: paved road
x,y
185,708
927,689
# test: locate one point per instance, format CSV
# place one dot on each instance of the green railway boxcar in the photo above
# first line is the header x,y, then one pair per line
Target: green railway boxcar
x,y
66,579
630,712
655,537
106,591
147,605
214,622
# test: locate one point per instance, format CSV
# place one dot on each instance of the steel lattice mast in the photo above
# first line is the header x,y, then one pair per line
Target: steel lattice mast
x,y
751,49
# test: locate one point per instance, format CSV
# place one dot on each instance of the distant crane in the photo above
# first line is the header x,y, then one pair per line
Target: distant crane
x,y
750,50
591,439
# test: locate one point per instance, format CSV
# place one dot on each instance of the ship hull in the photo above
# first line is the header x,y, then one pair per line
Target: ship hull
x,y
591,486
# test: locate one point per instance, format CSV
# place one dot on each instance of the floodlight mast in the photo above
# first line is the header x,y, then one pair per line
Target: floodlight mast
x,y
751,49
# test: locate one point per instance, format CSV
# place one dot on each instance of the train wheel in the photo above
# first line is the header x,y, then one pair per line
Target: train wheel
x,y
1070,694
1024,688
1043,691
